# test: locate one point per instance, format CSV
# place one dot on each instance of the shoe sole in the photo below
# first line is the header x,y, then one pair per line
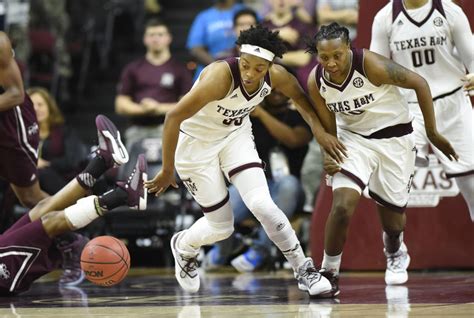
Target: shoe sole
x,y
112,136
177,268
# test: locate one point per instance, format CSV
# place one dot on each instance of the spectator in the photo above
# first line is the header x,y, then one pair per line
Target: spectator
x,y
243,20
292,30
281,138
211,36
151,85
60,151
344,12
303,9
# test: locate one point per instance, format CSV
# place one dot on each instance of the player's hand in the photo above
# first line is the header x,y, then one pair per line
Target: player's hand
x,y
443,144
469,83
333,147
43,163
330,165
161,182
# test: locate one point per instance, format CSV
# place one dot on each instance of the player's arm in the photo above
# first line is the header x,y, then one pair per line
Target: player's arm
x,y
379,42
214,84
328,120
286,83
381,70
10,76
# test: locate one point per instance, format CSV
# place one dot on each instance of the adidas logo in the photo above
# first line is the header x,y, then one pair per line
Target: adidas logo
x,y
257,50
400,22
233,96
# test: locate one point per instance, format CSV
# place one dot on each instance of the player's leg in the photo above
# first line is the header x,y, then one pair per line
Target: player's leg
x,y
30,195
253,188
86,210
466,187
209,190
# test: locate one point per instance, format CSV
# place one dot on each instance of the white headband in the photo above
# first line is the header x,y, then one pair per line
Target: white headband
x,y
257,51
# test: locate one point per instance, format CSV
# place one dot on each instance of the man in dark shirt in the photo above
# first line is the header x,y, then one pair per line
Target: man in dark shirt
x,y
281,139
151,85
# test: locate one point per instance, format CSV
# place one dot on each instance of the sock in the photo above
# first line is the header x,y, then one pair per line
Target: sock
x,y
295,256
88,177
466,187
83,212
392,241
112,199
332,263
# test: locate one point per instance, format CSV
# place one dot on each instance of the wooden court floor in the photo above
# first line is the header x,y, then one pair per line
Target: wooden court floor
x,y
155,293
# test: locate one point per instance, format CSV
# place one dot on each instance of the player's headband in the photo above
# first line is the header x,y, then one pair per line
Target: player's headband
x,y
257,51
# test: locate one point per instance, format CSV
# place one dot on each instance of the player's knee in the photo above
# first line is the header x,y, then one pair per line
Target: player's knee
x,y
342,212
222,230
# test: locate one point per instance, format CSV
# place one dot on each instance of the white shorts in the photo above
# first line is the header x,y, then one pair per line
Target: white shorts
x,y
454,120
385,165
204,166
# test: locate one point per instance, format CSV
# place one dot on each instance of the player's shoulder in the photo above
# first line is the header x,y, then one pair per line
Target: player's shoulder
x,y
385,12
451,9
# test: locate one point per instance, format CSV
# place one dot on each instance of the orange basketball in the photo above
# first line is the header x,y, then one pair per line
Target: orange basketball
x,y
105,261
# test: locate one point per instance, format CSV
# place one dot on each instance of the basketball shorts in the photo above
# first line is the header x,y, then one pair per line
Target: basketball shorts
x,y
25,256
386,166
454,120
204,166
19,139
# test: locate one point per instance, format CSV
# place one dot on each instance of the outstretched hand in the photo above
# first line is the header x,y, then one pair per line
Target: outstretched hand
x,y
161,182
443,144
333,147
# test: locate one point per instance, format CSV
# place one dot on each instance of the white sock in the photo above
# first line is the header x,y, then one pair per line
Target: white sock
x,y
466,186
332,263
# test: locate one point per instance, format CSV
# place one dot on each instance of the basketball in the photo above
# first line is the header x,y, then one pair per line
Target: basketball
x,y
105,261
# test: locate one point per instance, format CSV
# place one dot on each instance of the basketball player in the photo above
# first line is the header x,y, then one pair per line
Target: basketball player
x,y
211,133
19,131
357,97
27,251
422,36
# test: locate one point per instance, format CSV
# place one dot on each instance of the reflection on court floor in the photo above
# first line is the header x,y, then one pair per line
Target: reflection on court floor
x,y
155,293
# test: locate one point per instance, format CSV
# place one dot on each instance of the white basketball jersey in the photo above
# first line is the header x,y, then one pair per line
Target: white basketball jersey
x,y
359,105
219,118
421,40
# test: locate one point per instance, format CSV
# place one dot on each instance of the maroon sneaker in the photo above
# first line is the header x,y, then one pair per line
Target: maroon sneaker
x,y
334,280
134,186
111,147
71,255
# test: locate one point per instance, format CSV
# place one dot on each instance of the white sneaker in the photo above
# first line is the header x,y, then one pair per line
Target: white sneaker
x,y
311,280
185,266
397,264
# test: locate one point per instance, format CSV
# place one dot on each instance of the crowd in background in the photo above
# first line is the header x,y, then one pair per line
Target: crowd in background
x,y
59,44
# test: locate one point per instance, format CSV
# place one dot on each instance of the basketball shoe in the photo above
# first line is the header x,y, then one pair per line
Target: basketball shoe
x,y
111,147
134,186
71,256
310,280
397,264
334,280
186,265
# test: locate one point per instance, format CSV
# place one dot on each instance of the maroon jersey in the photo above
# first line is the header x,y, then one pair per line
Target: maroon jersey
x,y
165,83
19,139
26,254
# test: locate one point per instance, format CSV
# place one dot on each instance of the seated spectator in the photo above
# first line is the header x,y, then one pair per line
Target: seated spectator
x,y
151,85
210,37
281,138
60,152
292,31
